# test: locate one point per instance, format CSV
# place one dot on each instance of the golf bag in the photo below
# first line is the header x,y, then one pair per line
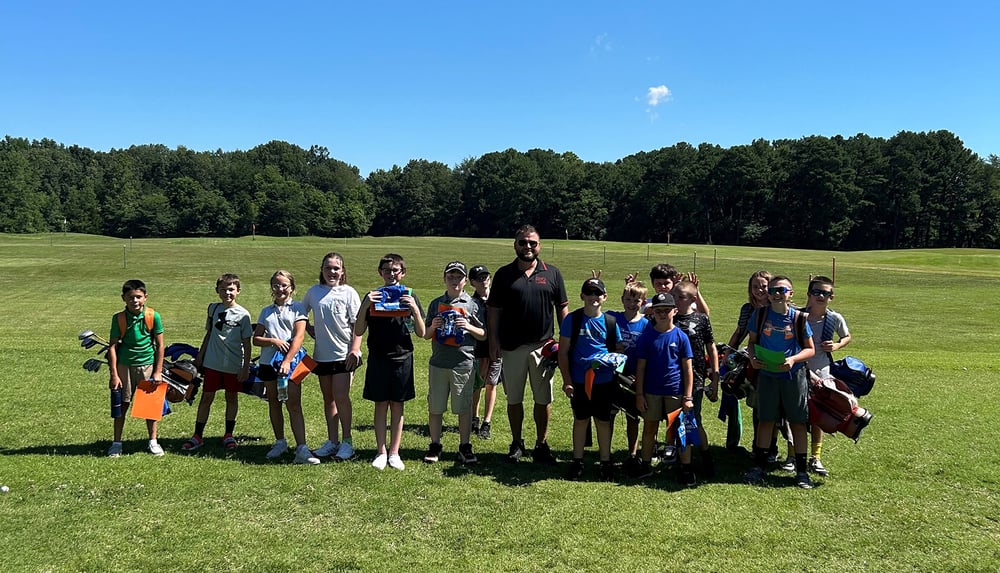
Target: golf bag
x,y
834,408
853,372
624,398
738,377
182,381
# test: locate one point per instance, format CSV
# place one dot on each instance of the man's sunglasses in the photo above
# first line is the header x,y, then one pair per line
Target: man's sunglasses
x,y
777,290
527,243
821,293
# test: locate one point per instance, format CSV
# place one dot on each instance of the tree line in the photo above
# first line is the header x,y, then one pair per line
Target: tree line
x,y
913,190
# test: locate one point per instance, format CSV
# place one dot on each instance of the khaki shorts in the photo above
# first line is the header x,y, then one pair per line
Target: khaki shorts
x,y
130,377
445,382
522,364
657,407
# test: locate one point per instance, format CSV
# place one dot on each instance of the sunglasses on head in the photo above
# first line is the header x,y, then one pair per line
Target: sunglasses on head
x,y
778,290
592,292
821,293
527,243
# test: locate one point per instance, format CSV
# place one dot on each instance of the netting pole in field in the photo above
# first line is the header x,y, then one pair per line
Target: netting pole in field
x,y
833,273
715,260
694,268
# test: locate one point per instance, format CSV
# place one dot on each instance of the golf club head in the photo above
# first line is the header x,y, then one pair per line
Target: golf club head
x,y
92,365
88,342
85,334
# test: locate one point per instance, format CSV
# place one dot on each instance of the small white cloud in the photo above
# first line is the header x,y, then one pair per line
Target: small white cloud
x,y
657,95
601,44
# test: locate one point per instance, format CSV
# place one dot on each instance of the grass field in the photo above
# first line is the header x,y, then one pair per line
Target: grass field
x,y
919,492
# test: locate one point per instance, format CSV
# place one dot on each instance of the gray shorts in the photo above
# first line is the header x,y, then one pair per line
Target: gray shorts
x,y
783,396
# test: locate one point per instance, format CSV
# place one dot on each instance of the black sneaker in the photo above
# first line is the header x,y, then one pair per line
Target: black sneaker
x,y
516,452
632,464
607,471
543,455
433,453
802,480
643,470
484,431
465,454
475,424
686,478
575,470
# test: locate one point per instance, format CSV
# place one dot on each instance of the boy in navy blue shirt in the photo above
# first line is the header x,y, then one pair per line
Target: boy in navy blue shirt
x,y
664,380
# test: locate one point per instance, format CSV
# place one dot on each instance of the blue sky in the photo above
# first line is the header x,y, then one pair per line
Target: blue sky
x,y
380,83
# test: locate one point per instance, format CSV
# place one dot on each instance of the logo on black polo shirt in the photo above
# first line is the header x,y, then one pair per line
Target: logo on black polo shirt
x,y
541,281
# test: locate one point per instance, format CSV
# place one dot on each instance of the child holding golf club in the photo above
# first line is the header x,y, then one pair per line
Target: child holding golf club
x,y
135,354
225,357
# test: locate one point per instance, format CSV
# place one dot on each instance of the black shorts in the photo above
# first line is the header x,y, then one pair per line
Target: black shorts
x,y
330,368
389,380
267,373
598,405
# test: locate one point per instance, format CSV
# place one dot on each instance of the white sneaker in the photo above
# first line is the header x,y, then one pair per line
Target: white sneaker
x,y
380,461
396,462
789,465
115,450
154,448
327,449
279,448
345,452
304,456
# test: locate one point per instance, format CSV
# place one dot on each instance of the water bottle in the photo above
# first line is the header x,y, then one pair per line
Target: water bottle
x,y
116,402
408,321
282,388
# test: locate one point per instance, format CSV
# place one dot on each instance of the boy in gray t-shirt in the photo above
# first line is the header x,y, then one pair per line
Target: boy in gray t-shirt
x,y
224,357
454,322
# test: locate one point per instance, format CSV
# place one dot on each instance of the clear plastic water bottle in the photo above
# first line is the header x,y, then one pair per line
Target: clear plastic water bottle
x,y
116,402
282,388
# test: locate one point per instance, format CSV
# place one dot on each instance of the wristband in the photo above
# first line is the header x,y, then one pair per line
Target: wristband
x,y
688,399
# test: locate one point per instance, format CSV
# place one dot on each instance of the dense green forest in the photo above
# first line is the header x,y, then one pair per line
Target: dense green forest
x,y
912,190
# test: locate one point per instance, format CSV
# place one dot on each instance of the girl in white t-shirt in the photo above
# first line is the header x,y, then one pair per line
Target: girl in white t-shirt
x,y
334,305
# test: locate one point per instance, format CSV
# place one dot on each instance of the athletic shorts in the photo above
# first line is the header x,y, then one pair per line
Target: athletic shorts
x,y
493,374
389,380
215,381
783,396
447,382
524,364
657,407
598,406
330,368
130,377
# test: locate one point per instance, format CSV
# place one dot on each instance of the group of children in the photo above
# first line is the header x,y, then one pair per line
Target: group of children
x,y
670,363
340,319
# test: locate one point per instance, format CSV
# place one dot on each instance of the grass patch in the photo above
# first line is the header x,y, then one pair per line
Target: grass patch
x,y
918,493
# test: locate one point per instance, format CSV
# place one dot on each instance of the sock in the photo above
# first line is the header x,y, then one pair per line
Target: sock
x,y
817,448
153,442
199,429
760,457
800,462
230,426
348,441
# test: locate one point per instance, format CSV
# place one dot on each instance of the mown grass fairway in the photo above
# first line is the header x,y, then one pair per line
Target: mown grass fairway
x,y
918,493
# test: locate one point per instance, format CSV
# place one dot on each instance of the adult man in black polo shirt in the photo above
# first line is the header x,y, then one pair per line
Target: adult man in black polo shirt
x,y
526,297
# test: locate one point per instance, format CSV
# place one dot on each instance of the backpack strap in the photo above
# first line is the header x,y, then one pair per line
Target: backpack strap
x,y
611,336
576,321
147,317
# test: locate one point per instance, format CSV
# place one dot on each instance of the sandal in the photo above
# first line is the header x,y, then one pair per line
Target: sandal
x,y
229,442
193,444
